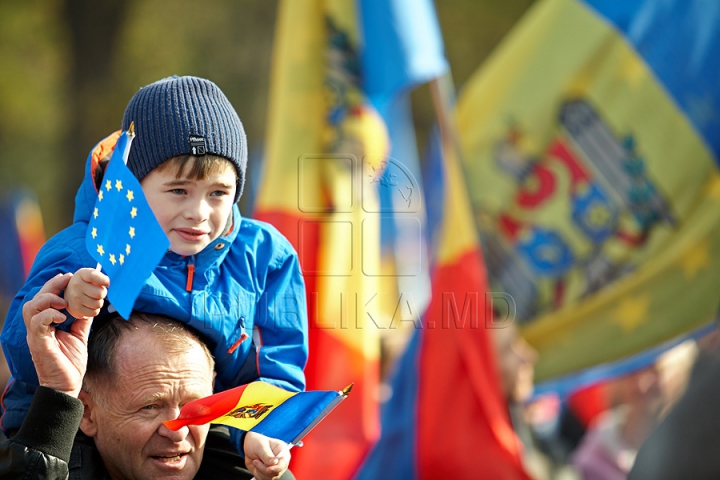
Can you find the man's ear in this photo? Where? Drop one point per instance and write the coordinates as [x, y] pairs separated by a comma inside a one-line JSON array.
[[88, 424]]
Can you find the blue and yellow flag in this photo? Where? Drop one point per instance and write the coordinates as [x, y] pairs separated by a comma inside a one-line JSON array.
[[591, 140], [123, 235]]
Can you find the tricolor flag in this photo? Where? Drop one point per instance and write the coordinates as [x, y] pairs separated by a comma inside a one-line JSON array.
[[262, 408], [447, 416], [323, 159], [591, 139], [123, 235]]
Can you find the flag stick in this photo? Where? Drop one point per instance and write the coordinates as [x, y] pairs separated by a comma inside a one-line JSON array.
[[443, 96]]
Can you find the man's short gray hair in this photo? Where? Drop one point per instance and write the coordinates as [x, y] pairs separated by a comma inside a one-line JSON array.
[[107, 332]]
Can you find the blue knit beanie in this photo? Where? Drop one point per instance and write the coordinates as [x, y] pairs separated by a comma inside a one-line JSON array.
[[184, 116]]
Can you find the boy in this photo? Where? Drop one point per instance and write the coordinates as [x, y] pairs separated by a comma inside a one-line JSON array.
[[229, 277]]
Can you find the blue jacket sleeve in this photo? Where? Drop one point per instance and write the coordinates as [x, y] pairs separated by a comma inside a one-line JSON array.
[[63, 253], [281, 337]]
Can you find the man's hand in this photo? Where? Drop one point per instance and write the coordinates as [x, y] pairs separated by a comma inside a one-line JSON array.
[[60, 357], [266, 458], [86, 293]]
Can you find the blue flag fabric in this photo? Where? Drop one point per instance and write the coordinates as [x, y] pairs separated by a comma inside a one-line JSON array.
[[123, 235]]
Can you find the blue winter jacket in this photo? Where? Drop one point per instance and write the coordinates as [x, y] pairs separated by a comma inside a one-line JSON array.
[[247, 281]]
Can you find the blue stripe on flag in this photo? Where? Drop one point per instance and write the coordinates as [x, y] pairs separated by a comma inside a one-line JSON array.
[[393, 456], [290, 418], [402, 45]]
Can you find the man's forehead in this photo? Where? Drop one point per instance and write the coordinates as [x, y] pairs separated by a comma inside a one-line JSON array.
[[148, 345]]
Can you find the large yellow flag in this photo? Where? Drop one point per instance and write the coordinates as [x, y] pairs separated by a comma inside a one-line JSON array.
[[591, 139]]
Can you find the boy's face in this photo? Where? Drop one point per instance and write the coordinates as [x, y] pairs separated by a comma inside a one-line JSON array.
[[191, 212]]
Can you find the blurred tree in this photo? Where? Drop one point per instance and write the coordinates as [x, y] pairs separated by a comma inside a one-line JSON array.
[[70, 67], [94, 28]]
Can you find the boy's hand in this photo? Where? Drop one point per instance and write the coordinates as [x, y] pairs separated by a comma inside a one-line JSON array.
[[60, 357], [266, 458], [86, 292]]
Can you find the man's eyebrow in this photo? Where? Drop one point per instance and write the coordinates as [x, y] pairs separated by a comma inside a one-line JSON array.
[[157, 396]]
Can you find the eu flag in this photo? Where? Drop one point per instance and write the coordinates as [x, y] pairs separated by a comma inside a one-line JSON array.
[[123, 235]]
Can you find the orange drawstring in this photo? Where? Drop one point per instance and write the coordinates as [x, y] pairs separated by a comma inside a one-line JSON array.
[[191, 273]]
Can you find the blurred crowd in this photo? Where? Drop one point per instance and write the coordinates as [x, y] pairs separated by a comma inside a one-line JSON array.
[[641, 422]]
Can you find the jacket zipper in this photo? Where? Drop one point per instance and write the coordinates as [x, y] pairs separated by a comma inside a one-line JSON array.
[[190, 274]]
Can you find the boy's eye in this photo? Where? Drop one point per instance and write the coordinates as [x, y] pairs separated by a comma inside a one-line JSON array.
[[218, 193], [177, 191]]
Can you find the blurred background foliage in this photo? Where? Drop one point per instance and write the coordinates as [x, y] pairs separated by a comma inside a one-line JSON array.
[[69, 68]]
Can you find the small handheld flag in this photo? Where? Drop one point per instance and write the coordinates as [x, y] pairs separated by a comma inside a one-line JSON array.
[[123, 235], [262, 408]]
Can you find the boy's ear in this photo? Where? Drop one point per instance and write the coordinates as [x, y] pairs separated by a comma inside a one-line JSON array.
[[88, 424]]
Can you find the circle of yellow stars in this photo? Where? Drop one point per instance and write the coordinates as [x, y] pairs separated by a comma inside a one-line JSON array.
[[130, 195]]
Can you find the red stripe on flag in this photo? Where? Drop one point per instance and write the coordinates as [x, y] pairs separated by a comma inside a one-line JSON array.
[[461, 414], [207, 409], [348, 433]]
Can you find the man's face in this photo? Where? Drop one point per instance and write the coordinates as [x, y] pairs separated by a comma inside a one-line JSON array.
[[191, 212], [126, 417]]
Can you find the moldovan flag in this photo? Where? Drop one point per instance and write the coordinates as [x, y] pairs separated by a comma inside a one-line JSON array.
[[322, 166], [591, 139], [262, 408], [123, 234], [447, 417]]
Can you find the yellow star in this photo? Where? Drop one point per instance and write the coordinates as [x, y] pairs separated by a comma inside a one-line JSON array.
[[122, 259], [94, 232], [712, 187], [133, 212], [108, 185], [127, 249], [695, 259], [130, 196], [112, 258], [95, 213], [633, 72], [631, 312], [132, 232], [118, 185], [100, 195], [101, 250]]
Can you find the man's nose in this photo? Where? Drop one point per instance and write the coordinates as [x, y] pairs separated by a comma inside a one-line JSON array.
[[175, 435]]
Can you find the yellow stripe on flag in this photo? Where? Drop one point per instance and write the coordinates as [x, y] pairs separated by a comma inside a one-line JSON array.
[[256, 402]]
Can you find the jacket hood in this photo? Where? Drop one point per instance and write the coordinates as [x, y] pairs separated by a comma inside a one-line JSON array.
[[87, 193]]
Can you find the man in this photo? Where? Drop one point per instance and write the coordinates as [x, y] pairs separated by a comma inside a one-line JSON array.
[[139, 373]]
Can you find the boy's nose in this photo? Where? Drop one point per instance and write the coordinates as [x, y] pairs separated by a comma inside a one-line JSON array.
[[198, 211]]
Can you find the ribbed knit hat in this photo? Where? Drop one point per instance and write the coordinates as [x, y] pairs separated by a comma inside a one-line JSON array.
[[184, 116]]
